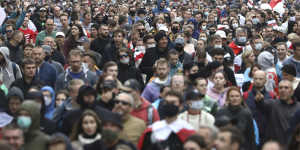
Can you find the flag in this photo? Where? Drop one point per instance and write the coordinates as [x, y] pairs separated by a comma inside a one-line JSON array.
[[250, 3], [278, 6], [2, 15]]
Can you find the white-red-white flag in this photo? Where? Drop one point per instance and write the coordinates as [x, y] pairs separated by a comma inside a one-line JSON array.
[[277, 5]]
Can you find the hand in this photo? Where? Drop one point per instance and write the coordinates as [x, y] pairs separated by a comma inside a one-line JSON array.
[[259, 96]]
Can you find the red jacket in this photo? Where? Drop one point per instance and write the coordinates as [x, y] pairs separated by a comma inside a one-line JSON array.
[[142, 112]]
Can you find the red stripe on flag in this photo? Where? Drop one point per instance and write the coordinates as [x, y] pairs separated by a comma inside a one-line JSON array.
[[273, 3]]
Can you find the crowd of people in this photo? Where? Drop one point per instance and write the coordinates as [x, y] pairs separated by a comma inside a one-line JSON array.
[[150, 75]]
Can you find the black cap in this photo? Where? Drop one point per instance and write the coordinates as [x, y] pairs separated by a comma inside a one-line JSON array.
[[133, 84], [113, 118], [193, 94], [109, 84]]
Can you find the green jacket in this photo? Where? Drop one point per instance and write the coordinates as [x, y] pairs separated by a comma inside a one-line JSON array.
[[210, 105], [34, 138], [41, 36]]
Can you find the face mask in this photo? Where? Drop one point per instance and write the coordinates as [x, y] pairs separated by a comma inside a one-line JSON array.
[[175, 30], [124, 61], [218, 46], [169, 110], [216, 18], [151, 45], [248, 48], [24, 122], [60, 104], [206, 13], [235, 25], [293, 18], [212, 32], [109, 136], [242, 39], [197, 105], [255, 20], [132, 13], [140, 48], [203, 38], [258, 46], [47, 100], [203, 27], [179, 47]]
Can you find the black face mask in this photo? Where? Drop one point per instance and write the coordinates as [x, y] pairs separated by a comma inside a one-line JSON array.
[[179, 47], [142, 34], [169, 110], [132, 13], [212, 32], [47, 57], [175, 30], [109, 136]]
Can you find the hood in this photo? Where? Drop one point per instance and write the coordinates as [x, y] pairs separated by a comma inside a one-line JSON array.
[[5, 52], [37, 96], [85, 90], [34, 110], [51, 107], [159, 1], [15, 91]]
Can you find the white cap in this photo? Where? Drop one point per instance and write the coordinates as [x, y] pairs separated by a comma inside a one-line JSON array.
[[60, 34], [163, 28], [221, 33]]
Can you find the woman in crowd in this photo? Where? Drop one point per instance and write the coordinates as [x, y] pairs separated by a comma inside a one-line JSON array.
[[218, 90], [88, 128], [72, 40]]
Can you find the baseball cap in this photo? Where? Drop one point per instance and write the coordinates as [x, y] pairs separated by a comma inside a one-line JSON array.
[[60, 34], [132, 84]]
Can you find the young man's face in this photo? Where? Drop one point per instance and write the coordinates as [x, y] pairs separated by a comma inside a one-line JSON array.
[[223, 141]]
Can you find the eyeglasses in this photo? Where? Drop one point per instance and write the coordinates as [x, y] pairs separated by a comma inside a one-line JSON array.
[[9, 31], [125, 55], [122, 102]]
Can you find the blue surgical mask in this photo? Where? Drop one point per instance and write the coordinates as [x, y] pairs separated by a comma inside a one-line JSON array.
[[24, 122], [242, 39], [255, 20], [258, 46]]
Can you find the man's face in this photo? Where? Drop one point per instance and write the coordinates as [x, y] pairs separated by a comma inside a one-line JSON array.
[[38, 54], [173, 59], [56, 11], [75, 63], [14, 137], [219, 58], [259, 79], [64, 20], [187, 14], [163, 43], [104, 31], [223, 141], [202, 86], [285, 90], [178, 83], [162, 70], [49, 41], [241, 34], [74, 91], [29, 70], [89, 99], [14, 104], [49, 25], [297, 52], [88, 18], [113, 71], [9, 31], [60, 39], [150, 42], [123, 104]]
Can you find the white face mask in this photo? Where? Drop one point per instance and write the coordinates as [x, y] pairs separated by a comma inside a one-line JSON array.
[[124, 60], [197, 105], [203, 38], [258, 46], [218, 46], [235, 25], [47, 100], [140, 48], [151, 45], [248, 48], [203, 27]]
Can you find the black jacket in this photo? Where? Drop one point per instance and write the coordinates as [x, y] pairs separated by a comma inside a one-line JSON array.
[[130, 72], [151, 55], [110, 53], [99, 44], [24, 86], [240, 117]]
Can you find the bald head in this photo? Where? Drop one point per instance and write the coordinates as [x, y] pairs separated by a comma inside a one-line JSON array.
[[286, 90], [129, 98], [272, 145], [259, 79]]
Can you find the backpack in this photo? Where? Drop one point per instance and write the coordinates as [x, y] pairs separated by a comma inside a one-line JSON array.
[[246, 94], [14, 66], [150, 115]]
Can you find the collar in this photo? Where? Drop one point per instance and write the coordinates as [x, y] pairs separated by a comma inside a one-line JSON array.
[[84, 140]]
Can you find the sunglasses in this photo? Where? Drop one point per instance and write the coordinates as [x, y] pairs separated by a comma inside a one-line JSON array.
[[121, 102], [125, 55], [9, 31]]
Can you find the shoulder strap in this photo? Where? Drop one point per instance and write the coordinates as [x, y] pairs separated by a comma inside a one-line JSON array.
[[14, 66], [150, 114]]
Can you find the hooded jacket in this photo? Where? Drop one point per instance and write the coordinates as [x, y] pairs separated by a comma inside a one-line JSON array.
[[72, 116], [14, 92], [34, 138], [7, 71], [152, 89], [159, 10], [51, 108]]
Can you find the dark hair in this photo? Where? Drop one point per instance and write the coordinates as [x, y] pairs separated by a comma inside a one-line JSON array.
[[78, 127], [176, 94], [236, 135], [27, 61], [199, 140], [251, 70], [160, 35], [147, 37], [109, 64], [65, 92], [289, 69], [296, 44], [117, 31], [217, 51]]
